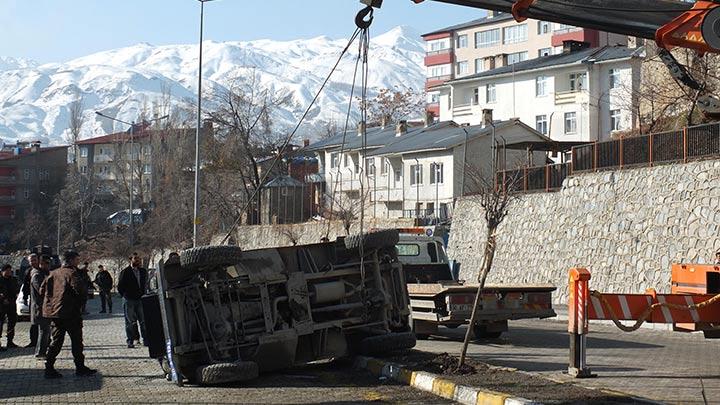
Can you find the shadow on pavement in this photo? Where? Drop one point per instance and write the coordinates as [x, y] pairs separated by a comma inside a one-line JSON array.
[[31, 382], [20, 351]]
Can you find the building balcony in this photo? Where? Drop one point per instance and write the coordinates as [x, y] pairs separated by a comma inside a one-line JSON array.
[[440, 57], [575, 34], [7, 179], [393, 194], [568, 97], [436, 81], [460, 110], [102, 159], [7, 198]]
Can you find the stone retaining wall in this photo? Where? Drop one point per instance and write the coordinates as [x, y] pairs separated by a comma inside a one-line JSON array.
[[626, 227]]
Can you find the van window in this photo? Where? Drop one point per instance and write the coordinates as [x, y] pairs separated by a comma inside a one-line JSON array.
[[432, 251], [408, 250]]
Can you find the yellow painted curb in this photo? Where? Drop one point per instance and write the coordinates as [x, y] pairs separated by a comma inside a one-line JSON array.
[[490, 398], [444, 388]]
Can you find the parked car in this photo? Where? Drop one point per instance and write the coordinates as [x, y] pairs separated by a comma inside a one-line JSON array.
[[231, 314]]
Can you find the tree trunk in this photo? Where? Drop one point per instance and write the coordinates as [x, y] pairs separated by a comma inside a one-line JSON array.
[[488, 257]]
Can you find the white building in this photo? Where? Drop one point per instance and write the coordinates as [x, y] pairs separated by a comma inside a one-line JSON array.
[[419, 172], [581, 95]]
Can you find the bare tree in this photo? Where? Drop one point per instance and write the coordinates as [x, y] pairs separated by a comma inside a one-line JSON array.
[[345, 208], [289, 231], [395, 105], [495, 200]]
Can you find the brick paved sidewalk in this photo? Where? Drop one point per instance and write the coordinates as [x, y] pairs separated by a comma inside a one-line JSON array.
[[129, 376]]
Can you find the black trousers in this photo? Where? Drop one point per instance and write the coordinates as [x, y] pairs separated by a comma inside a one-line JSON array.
[[33, 334], [106, 299], [8, 318], [73, 327]]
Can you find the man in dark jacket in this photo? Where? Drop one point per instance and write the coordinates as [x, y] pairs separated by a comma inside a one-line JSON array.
[[104, 281], [63, 294], [9, 290], [37, 277], [131, 286]]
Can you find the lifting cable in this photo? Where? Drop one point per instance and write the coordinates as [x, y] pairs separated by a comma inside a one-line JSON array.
[[646, 313], [362, 25]]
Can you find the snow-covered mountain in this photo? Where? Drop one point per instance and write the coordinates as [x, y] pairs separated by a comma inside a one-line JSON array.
[[35, 100]]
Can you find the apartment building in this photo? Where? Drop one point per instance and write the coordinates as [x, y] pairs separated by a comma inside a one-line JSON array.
[[419, 172], [496, 41], [109, 158], [30, 178], [581, 95]]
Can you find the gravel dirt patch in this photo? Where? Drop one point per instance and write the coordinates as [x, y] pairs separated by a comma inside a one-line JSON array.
[[525, 385]]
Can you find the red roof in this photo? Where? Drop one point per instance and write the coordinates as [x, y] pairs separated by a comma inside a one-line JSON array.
[[118, 137], [28, 152]]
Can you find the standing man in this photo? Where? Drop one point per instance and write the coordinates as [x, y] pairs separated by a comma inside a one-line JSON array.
[[83, 273], [26, 289], [63, 293], [131, 286], [104, 281], [9, 290], [37, 278]]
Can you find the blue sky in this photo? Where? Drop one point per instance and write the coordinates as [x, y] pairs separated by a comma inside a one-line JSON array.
[[59, 30]]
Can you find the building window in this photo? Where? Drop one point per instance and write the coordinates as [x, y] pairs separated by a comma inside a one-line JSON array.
[[490, 93], [515, 34], [541, 124], [479, 65], [570, 122], [147, 169], [438, 45], [83, 169], [436, 173], [101, 151], [398, 176], [146, 150], [346, 160], [439, 70], [544, 52], [614, 78], [476, 96], [384, 165], [433, 98], [416, 174], [84, 152], [27, 173], [541, 86], [43, 174], [462, 41], [484, 39], [516, 57], [577, 81], [26, 193], [543, 27], [334, 160], [615, 120], [370, 166], [462, 68]]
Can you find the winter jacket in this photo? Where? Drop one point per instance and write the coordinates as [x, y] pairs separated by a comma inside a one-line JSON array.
[[128, 285], [104, 280], [37, 277], [9, 289], [63, 293]]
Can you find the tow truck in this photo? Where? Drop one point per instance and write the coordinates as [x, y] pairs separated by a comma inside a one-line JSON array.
[[437, 298]]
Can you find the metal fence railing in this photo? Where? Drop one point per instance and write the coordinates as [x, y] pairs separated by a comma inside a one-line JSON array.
[[689, 143], [673, 146]]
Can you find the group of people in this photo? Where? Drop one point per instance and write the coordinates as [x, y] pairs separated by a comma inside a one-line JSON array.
[[57, 300]]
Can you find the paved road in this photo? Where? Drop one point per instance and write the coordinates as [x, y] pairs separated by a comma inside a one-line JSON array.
[[128, 376], [660, 365]]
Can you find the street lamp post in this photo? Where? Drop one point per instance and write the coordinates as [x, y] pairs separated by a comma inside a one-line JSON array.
[[132, 168], [196, 206]]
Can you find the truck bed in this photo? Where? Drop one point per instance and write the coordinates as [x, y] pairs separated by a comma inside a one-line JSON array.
[[432, 289]]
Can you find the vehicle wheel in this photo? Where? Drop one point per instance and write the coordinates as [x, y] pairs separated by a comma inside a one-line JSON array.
[[210, 256], [373, 240], [386, 344], [223, 373], [481, 332], [176, 274]]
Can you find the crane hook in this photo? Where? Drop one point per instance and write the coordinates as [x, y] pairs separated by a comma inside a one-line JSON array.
[[364, 18]]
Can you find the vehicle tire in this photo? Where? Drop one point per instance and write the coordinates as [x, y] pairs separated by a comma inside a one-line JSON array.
[[176, 274], [223, 373], [387, 344], [202, 257], [481, 332], [373, 240]]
